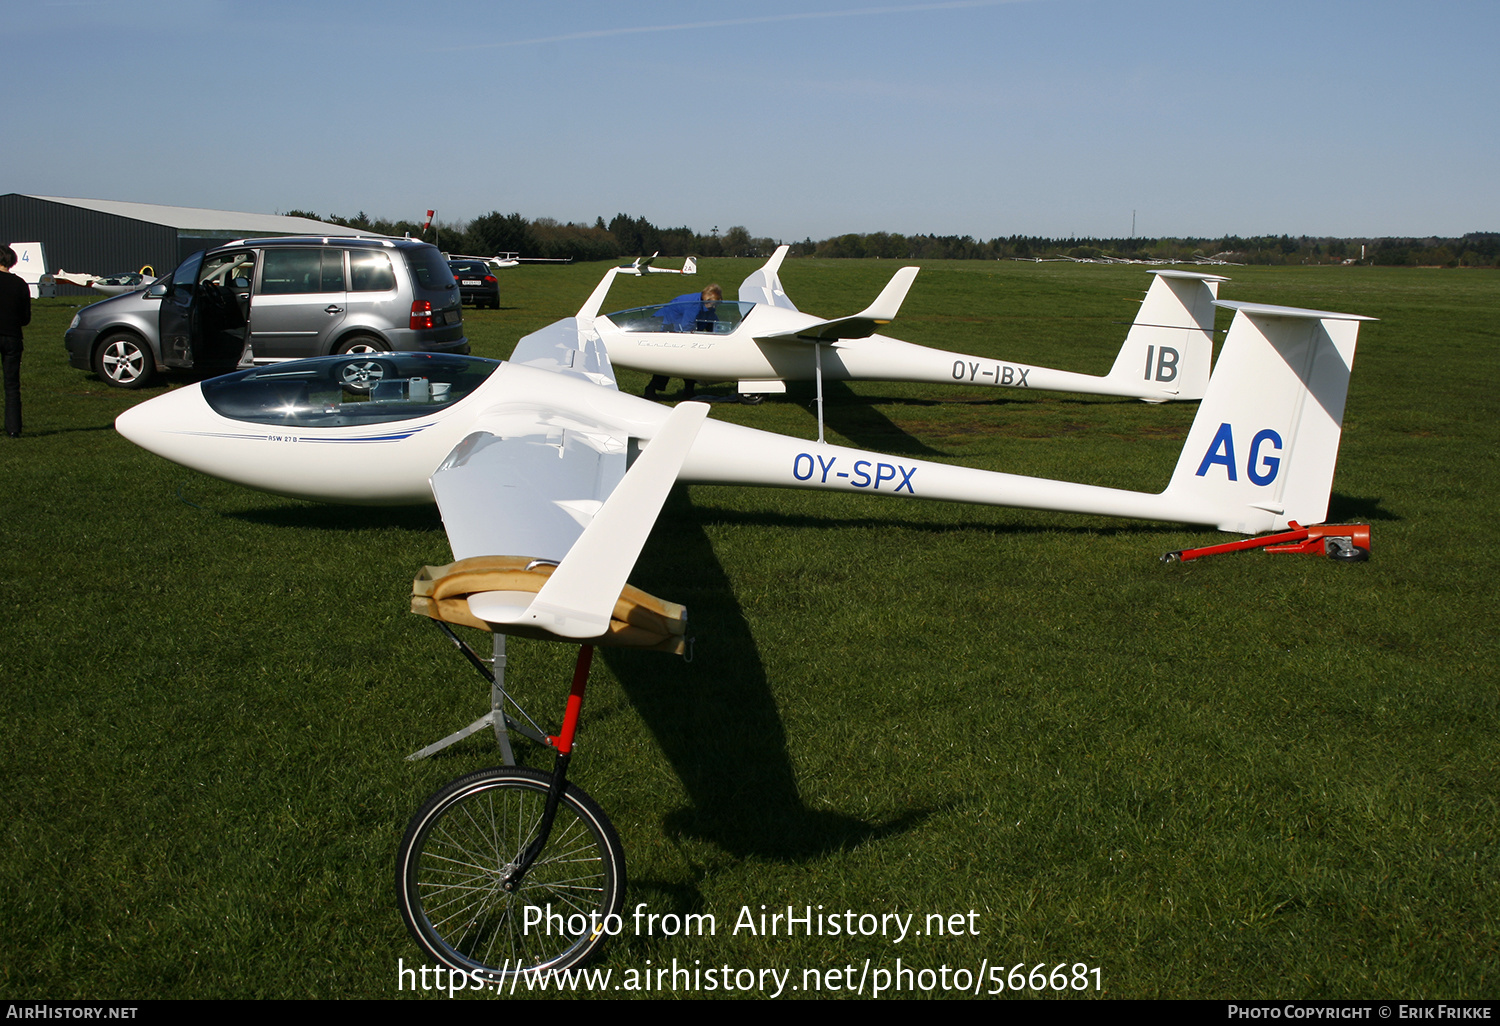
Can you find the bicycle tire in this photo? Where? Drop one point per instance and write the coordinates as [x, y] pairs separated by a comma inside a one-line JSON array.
[[455, 854]]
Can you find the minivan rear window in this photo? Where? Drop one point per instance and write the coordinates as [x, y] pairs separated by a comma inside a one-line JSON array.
[[429, 268]]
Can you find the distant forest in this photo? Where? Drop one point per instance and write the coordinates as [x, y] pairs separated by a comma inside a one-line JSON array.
[[626, 236]]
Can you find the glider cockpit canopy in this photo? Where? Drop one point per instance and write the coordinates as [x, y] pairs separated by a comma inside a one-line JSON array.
[[357, 389], [717, 318]]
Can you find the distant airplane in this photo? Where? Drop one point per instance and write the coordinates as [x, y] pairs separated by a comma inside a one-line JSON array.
[[109, 284], [762, 341], [645, 265], [508, 259], [125, 281]]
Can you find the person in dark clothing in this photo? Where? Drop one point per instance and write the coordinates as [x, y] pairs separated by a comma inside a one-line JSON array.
[[691, 311], [15, 314]]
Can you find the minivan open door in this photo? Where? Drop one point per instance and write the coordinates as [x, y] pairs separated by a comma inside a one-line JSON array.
[[204, 313]]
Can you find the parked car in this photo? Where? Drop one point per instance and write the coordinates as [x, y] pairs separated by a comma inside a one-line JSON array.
[[476, 282], [274, 299]]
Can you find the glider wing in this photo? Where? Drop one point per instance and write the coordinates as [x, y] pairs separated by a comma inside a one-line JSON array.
[[861, 325]]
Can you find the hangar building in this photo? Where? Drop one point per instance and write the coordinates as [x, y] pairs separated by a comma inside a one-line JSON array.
[[110, 236]]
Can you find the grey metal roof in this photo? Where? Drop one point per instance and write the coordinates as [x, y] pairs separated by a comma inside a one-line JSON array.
[[199, 219]]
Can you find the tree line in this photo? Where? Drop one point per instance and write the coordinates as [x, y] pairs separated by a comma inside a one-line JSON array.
[[626, 236], [1477, 249], [623, 236]]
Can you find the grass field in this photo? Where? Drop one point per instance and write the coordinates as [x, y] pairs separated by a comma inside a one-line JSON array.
[[1249, 776]]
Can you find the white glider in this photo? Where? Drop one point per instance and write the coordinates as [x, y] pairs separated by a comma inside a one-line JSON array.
[[542, 457], [645, 265], [109, 284], [763, 341]]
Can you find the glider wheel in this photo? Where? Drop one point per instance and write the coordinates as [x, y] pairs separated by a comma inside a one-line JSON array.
[[455, 859], [1348, 554]]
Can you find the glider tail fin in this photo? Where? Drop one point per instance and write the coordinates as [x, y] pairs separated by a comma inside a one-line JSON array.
[[1262, 449], [1170, 344]]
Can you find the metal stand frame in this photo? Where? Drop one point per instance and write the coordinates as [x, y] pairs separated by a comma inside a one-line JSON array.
[[497, 717], [514, 874]]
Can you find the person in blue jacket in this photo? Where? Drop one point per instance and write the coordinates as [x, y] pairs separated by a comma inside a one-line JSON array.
[[691, 311]]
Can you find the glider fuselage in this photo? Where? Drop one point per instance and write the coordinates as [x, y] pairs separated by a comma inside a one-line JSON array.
[[746, 354], [383, 452]]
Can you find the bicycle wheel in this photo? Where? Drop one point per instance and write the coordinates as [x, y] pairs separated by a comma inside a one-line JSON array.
[[457, 851]]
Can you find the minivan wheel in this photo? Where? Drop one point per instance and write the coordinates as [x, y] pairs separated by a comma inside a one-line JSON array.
[[124, 361], [359, 376]]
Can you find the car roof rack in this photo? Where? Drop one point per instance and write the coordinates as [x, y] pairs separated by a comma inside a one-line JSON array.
[[373, 240]]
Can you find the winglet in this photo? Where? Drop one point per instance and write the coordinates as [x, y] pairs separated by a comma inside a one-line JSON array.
[[590, 308], [886, 305], [578, 598], [860, 325]]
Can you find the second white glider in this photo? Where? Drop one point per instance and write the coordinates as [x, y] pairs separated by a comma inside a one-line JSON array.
[[761, 341]]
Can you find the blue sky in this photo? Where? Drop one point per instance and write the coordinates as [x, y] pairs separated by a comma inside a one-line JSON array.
[[807, 118]]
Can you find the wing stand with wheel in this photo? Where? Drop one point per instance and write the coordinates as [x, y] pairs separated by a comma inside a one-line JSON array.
[[513, 870]]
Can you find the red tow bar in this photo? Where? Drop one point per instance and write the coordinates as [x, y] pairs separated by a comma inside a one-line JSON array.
[[1348, 542]]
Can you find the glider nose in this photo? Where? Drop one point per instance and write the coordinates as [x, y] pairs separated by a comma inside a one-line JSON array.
[[153, 423]]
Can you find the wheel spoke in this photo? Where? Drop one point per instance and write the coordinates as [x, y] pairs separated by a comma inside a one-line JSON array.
[[459, 851]]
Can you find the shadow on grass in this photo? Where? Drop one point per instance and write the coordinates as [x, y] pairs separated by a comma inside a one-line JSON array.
[[823, 523], [858, 419], [340, 518], [1347, 508], [45, 432], [716, 719]]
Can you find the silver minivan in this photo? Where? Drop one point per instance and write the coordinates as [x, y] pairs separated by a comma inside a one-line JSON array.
[[274, 299]]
